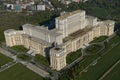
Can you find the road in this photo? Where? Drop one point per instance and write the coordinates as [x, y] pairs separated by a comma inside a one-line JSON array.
[[27, 64], [8, 54], [37, 70]]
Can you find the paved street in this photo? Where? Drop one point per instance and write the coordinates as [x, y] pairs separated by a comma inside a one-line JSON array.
[[37, 70], [48, 69], [6, 53]]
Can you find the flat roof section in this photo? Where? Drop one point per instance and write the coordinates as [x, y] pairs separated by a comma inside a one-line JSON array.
[[69, 14], [36, 40], [77, 34]]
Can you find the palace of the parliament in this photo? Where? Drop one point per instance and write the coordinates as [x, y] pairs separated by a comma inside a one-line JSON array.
[[72, 31]]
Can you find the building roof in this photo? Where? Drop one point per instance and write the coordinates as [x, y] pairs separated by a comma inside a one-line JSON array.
[[58, 51], [53, 32], [69, 14], [77, 34], [12, 31], [109, 22], [106, 23], [43, 42], [9, 30]]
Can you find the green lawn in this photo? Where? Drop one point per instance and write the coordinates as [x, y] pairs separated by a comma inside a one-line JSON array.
[[4, 59], [79, 67], [93, 49], [102, 65], [114, 74], [41, 60], [99, 39], [19, 72], [19, 48], [91, 74], [73, 56], [24, 57], [114, 40]]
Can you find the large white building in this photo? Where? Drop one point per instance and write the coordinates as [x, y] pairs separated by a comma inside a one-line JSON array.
[[72, 31]]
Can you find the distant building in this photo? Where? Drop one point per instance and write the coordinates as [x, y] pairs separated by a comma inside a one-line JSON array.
[[79, 0], [38, 7], [13, 7], [17, 7], [66, 2], [72, 30], [28, 5], [8, 6]]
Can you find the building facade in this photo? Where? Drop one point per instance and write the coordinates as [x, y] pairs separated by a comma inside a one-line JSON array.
[[72, 31]]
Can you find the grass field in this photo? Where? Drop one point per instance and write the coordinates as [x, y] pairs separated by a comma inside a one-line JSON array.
[[24, 57], [86, 61], [4, 59], [102, 65], [99, 39], [41, 60], [73, 56], [19, 72], [93, 49], [114, 74], [19, 48]]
